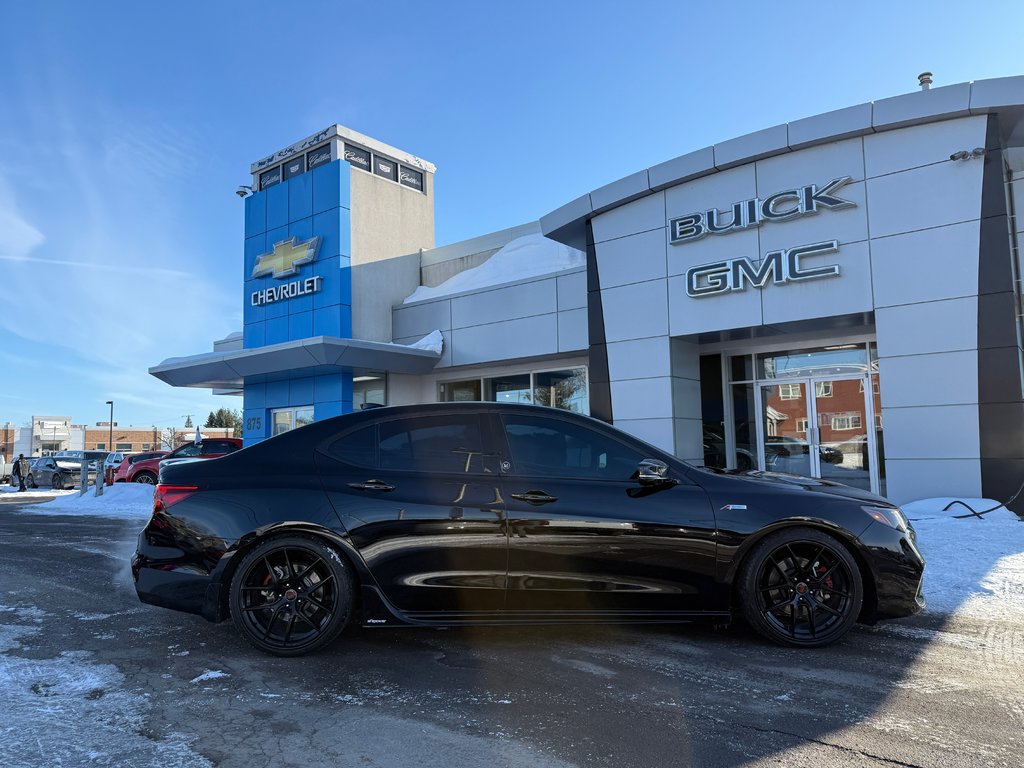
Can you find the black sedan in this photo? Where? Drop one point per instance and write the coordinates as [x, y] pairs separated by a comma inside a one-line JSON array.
[[480, 513]]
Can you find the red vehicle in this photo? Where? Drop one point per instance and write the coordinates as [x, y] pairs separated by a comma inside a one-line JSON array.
[[145, 470]]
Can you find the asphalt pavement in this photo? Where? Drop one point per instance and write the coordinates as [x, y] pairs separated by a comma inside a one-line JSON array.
[[90, 676]]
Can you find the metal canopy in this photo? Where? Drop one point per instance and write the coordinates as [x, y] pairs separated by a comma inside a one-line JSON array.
[[306, 357]]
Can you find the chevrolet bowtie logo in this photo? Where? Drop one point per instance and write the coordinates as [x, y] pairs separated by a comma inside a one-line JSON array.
[[286, 258]]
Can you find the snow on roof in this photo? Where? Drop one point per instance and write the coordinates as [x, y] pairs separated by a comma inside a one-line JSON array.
[[527, 256]]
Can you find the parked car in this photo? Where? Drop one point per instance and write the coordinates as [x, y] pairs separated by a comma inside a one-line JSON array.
[[57, 472], [122, 472], [111, 461], [489, 513], [6, 467], [145, 471]]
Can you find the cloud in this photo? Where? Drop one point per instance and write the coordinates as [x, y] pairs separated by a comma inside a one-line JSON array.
[[19, 238]]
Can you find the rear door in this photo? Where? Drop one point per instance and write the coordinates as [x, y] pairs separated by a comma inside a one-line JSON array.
[[585, 536], [420, 498]]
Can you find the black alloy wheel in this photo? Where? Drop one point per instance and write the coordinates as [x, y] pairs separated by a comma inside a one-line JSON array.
[[57, 482], [291, 595], [801, 587], [147, 478], [31, 482]]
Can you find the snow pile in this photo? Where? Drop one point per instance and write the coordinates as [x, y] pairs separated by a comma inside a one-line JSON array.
[[527, 256], [975, 567], [432, 342], [33, 493], [124, 500]]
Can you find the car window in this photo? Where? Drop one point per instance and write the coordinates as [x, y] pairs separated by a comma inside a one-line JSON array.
[[190, 449], [432, 444], [357, 448], [556, 448]]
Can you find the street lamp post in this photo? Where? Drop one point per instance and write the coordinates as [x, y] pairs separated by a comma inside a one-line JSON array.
[[110, 437]]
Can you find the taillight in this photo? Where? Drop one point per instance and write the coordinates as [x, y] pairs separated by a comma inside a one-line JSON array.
[[167, 496]]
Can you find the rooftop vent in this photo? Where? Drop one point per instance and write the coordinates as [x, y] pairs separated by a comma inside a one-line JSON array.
[[925, 80]]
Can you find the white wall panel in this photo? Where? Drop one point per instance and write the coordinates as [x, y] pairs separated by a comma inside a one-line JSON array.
[[899, 150], [815, 165], [932, 432], [940, 263], [658, 432], [525, 337], [572, 290], [642, 398], [913, 479], [572, 330], [931, 196], [639, 358], [635, 311], [944, 378], [639, 216], [632, 259], [537, 297], [934, 326]]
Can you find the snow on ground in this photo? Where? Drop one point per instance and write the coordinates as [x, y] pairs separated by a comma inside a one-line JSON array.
[[527, 256], [123, 500], [975, 567], [33, 493]]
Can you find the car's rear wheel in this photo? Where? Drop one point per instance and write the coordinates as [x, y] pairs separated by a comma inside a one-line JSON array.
[[145, 477], [291, 595], [31, 482], [57, 482], [801, 587]]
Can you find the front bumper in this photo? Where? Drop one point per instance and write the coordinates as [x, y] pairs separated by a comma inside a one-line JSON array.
[[898, 568]]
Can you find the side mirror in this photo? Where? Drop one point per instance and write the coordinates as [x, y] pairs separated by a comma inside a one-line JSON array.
[[652, 472]]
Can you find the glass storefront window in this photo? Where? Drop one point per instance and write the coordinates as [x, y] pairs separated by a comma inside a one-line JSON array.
[[562, 389], [508, 389], [371, 388], [566, 389], [460, 391], [828, 361], [744, 414], [285, 419]]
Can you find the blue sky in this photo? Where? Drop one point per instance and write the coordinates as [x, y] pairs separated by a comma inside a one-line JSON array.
[[127, 127]]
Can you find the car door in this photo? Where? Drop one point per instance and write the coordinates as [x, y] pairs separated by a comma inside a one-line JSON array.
[[420, 498], [586, 536], [44, 472]]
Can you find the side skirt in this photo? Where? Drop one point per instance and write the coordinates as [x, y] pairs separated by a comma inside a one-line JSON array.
[[378, 612]]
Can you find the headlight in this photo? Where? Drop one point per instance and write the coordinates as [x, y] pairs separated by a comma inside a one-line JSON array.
[[891, 516]]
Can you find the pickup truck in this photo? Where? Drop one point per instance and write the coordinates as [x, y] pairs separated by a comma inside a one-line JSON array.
[[5, 468]]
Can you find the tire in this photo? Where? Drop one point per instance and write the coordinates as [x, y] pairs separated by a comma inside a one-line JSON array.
[[291, 595], [57, 482], [31, 482], [801, 587], [147, 478]]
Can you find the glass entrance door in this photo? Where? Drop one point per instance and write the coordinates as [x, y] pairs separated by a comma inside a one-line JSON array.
[[820, 427]]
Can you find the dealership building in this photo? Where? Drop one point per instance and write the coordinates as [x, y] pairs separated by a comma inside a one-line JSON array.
[[838, 296]]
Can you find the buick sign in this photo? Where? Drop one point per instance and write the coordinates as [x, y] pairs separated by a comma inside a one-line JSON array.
[[782, 206], [785, 266]]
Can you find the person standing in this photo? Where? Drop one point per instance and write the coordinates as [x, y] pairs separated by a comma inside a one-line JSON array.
[[21, 471]]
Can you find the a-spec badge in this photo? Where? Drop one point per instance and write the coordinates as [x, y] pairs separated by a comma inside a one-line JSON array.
[[286, 258]]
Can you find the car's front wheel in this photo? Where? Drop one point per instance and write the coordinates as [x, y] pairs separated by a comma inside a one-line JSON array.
[[801, 587], [291, 595], [146, 477], [57, 482], [31, 482]]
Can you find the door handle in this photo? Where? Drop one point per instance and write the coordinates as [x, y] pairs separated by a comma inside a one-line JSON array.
[[372, 485], [534, 497]]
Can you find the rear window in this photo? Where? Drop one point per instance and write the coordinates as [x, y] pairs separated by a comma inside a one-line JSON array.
[[432, 444], [357, 448], [211, 447]]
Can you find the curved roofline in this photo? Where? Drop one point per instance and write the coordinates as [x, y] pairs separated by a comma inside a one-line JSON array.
[[567, 223]]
